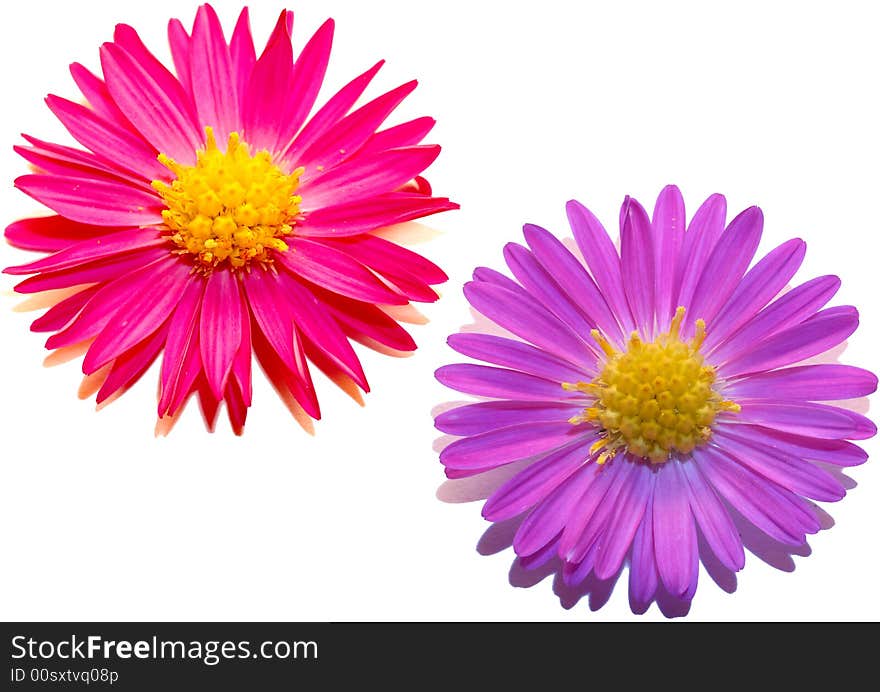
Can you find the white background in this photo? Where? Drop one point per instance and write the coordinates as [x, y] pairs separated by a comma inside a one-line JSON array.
[[770, 103]]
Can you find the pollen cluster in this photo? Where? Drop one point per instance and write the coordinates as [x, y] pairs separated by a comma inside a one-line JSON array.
[[231, 206], [654, 399]]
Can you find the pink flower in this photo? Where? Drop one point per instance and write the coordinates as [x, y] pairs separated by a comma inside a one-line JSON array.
[[210, 217]]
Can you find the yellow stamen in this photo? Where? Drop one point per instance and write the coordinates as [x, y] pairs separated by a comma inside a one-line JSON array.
[[654, 399], [231, 206]]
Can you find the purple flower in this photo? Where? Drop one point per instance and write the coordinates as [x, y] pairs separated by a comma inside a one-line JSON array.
[[652, 395]]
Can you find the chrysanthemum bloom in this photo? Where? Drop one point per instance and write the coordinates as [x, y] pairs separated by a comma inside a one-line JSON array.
[[210, 216], [653, 394]]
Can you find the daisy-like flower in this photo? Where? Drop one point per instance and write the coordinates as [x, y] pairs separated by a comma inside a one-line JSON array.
[[654, 394], [211, 215]]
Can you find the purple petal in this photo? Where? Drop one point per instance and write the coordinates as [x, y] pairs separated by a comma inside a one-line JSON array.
[[528, 319], [589, 517], [777, 512], [668, 223], [727, 264], [699, 241], [831, 382], [802, 418], [518, 356], [503, 446], [541, 285], [675, 533], [760, 285], [809, 338], [602, 260], [643, 566], [629, 509], [637, 264], [787, 471], [836, 452], [499, 383], [713, 519], [547, 519], [792, 308], [574, 280], [474, 419], [536, 481]]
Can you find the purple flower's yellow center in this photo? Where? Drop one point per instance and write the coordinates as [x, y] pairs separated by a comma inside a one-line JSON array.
[[653, 399], [231, 206]]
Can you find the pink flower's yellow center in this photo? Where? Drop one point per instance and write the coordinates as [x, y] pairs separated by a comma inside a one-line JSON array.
[[653, 399], [231, 206]]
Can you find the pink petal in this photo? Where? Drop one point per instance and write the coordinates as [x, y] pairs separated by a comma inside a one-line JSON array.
[[273, 314], [60, 314], [348, 135], [267, 89], [329, 114], [181, 363], [315, 323], [241, 51], [67, 161], [637, 264], [140, 316], [214, 85], [359, 217], [389, 258], [179, 41], [94, 201], [366, 176], [364, 322], [106, 269], [241, 364], [132, 364], [308, 75], [403, 135], [98, 97], [51, 233], [113, 144], [220, 328], [154, 101], [93, 249], [336, 271]]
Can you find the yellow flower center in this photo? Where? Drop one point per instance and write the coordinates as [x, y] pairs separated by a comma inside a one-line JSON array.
[[231, 206], [654, 399]]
